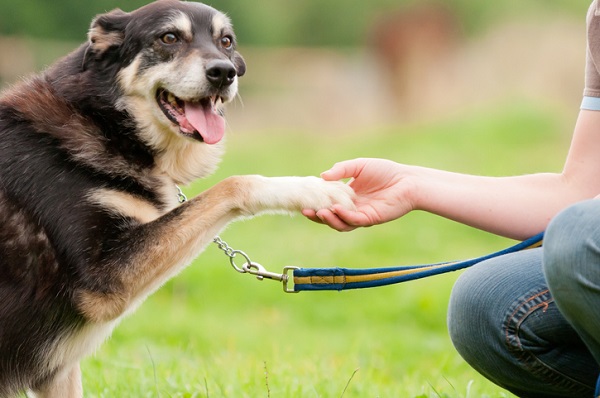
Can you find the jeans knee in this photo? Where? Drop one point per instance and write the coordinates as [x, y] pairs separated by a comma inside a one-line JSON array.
[[456, 317], [505, 323], [485, 300], [468, 316], [569, 245]]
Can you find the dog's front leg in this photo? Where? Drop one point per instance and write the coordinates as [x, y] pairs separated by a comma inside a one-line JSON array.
[[152, 253], [65, 385]]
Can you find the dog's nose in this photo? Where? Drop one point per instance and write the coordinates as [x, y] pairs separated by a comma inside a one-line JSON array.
[[220, 73]]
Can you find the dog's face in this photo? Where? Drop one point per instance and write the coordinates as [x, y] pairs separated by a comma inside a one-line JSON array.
[[179, 64]]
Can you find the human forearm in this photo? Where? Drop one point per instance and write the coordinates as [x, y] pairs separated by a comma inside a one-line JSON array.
[[516, 207]]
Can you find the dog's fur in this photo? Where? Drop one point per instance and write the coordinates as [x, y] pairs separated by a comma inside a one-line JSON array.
[[90, 155]]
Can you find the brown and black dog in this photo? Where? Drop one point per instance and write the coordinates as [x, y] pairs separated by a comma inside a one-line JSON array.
[[91, 152]]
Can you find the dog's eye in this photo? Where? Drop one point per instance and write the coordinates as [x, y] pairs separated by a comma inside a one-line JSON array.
[[226, 42], [169, 38]]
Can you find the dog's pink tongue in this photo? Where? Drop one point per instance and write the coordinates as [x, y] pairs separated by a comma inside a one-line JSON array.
[[206, 121]]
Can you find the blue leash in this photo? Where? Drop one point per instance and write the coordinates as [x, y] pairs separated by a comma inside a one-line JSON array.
[[344, 278]]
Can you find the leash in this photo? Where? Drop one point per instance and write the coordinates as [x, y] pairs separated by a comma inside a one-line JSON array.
[[311, 279]]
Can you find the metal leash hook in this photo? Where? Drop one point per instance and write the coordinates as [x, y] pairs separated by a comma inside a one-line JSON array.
[[261, 272], [250, 267]]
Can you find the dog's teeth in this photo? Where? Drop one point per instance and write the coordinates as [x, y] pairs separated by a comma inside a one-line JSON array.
[[172, 99]]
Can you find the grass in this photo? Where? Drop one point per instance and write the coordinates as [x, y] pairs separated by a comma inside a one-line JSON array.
[[212, 332]]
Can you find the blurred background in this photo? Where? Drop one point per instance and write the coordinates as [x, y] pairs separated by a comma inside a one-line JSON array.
[[336, 65], [482, 87]]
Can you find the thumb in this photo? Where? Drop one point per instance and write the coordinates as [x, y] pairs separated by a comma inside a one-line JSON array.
[[345, 169]]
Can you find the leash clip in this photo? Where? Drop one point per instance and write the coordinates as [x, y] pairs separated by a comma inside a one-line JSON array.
[[253, 268], [261, 273]]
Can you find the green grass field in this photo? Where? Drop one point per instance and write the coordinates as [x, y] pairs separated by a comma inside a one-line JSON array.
[[212, 332]]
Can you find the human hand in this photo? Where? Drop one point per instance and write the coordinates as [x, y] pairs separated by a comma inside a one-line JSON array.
[[382, 188]]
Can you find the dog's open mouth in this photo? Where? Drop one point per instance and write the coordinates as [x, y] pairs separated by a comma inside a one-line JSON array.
[[197, 119]]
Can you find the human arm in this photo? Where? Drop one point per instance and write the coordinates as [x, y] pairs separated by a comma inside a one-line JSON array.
[[516, 207]]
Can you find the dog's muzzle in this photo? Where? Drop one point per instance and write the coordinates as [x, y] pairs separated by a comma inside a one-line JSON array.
[[200, 118]]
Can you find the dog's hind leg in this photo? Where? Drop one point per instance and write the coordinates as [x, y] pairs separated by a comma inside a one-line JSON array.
[[65, 385]]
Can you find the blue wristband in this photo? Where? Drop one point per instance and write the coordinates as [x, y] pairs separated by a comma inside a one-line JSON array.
[[591, 103]]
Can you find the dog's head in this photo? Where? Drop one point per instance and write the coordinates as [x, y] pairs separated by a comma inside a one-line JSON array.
[[174, 64], [178, 61]]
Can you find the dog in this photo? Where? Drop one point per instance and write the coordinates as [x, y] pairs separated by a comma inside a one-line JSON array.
[[92, 152]]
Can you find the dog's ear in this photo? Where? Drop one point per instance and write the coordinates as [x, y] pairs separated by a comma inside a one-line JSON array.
[[108, 30], [239, 63]]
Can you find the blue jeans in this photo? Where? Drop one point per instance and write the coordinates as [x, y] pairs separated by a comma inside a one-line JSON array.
[[530, 321]]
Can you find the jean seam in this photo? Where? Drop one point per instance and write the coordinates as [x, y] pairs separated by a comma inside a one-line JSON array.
[[512, 328]]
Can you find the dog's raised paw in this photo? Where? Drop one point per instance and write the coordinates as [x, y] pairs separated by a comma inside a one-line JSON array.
[[321, 194], [294, 194]]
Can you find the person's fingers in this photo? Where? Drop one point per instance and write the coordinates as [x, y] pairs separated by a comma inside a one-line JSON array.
[[330, 218], [338, 218], [351, 217], [311, 215]]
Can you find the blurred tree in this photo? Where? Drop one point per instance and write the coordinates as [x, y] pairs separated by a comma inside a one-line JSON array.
[[267, 22], [56, 19]]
